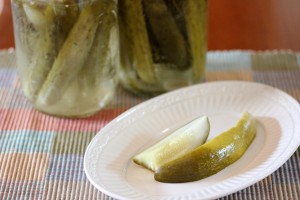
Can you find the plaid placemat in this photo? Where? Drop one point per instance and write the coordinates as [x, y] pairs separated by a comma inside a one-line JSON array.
[[41, 157]]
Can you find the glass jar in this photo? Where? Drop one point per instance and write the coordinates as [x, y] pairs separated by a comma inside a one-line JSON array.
[[163, 44], [66, 54]]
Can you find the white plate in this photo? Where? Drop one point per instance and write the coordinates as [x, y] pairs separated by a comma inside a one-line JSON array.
[[108, 162]]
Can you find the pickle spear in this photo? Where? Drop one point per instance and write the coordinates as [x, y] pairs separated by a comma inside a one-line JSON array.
[[171, 41], [66, 14], [72, 55], [196, 23], [131, 12], [37, 15], [44, 52], [212, 157], [180, 142], [100, 60], [26, 39]]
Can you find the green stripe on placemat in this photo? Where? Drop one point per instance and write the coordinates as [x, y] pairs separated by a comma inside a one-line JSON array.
[[298, 58], [279, 69], [275, 60]]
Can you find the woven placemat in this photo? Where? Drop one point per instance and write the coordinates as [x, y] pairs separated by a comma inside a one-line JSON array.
[[41, 157]]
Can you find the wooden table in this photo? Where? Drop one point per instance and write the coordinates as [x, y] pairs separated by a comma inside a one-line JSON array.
[[254, 24], [6, 29], [234, 24]]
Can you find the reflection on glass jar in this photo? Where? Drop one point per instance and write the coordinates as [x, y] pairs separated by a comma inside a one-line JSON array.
[[163, 44], [67, 53]]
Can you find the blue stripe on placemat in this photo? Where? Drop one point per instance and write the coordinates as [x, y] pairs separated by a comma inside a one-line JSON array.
[[231, 60], [7, 76], [66, 168], [281, 79], [26, 141]]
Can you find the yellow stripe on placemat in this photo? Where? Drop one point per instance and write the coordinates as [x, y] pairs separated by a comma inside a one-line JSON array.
[[274, 60], [23, 166]]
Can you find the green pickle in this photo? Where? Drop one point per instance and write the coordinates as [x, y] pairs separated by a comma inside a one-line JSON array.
[[41, 56], [211, 157], [163, 44], [68, 63], [101, 64], [67, 53], [134, 30], [179, 142], [167, 33]]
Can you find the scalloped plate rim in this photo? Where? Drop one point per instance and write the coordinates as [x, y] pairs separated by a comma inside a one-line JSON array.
[[140, 106]]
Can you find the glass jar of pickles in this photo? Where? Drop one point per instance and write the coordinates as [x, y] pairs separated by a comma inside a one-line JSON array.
[[66, 53], [163, 44]]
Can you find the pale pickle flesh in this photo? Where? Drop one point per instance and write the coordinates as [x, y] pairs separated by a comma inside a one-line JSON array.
[[180, 142], [212, 157]]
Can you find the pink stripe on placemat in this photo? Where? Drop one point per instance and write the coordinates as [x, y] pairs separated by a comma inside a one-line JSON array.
[[30, 119]]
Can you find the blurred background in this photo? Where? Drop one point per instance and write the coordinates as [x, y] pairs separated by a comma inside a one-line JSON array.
[[233, 24]]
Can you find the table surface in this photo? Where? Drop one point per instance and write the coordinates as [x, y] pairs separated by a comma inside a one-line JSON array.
[[41, 157], [234, 24]]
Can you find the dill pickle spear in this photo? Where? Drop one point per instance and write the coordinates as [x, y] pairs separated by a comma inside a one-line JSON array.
[[66, 15], [71, 56], [36, 15], [167, 33], [103, 51], [180, 142], [43, 53], [67, 12], [132, 14], [196, 14], [212, 157]]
